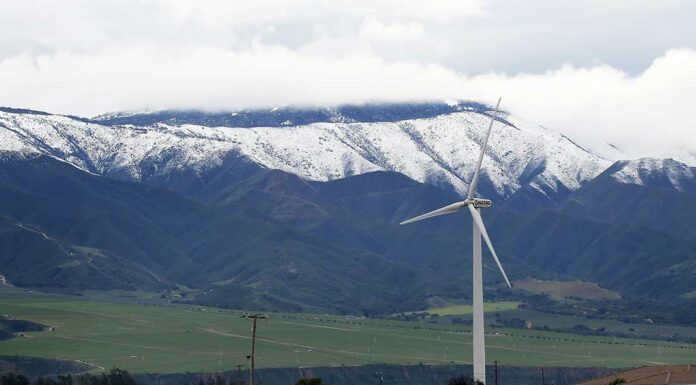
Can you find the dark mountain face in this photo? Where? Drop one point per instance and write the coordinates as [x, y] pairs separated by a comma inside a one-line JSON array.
[[621, 254], [63, 228], [256, 238], [658, 199], [87, 224], [665, 199]]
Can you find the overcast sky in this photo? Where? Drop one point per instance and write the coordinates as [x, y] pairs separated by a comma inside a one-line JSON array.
[[615, 71]]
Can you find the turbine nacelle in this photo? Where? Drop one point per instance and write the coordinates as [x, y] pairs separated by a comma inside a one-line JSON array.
[[454, 207], [479, 203]]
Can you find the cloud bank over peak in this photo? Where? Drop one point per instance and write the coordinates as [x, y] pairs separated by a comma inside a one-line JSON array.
[[622, 73]]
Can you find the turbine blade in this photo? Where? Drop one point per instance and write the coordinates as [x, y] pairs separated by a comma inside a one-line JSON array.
[[478, 222], [454, 207], [474, 181]]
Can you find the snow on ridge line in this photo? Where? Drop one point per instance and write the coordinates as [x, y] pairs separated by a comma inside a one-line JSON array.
[[441, 149], [639, 171]]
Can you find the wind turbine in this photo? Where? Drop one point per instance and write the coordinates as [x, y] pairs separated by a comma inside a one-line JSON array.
[[474, 205]]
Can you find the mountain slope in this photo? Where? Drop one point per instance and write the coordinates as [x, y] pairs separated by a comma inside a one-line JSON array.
[[438, 148], [273, 240], [31, 257], [71, 213], [63, 228], [655, 193], [365, 210]]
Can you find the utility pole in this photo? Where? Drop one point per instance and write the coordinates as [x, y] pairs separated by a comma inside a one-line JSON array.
[[543, 380], [496, 372], [254, 317]]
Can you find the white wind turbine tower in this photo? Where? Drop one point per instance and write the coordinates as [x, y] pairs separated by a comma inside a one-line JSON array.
[[474, 205]]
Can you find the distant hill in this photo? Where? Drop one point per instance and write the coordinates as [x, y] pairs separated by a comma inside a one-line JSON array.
[[153, 205]]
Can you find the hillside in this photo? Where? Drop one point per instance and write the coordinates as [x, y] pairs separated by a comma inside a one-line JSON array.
[[65, 229], [264, 217], [438, 148]]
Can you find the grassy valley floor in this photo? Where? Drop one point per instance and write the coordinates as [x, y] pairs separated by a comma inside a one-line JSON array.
[[179, 338]]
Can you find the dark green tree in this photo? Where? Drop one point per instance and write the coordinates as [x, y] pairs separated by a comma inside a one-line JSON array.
[[120, 377], [101, 379], [310, 381], [463, 380], [44, 381], [13, 379], [65, 380]]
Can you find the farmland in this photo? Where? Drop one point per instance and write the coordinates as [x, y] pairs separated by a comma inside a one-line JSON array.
[[178, 338], [567, 289], [468, 309]]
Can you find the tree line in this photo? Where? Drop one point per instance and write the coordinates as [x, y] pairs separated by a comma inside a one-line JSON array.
[[115, 376], [118, 376]]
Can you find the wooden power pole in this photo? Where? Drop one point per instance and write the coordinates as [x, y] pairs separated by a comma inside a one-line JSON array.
[[543, 380], [496, 372], [254, 317]]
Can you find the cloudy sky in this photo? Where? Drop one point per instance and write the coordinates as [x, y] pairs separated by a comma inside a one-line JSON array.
[[615, 71]]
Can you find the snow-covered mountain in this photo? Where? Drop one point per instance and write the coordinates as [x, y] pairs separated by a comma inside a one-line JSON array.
[[341, 235], [666, 173], [438, 146]]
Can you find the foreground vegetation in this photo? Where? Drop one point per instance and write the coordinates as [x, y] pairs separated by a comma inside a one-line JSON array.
[[156, 338], [114, 377]]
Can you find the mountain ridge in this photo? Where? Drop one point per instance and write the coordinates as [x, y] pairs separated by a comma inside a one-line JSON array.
[[291, 115], [440, 149]]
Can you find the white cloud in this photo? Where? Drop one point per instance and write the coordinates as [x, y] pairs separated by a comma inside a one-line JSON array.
[[596, 73], [644, 115]]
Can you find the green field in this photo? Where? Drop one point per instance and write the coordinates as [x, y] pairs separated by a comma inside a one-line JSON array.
[[563, 290], [467, 309], [150, 338]]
